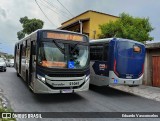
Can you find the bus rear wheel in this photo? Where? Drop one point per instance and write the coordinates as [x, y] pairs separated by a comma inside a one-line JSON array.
[[133, 85]]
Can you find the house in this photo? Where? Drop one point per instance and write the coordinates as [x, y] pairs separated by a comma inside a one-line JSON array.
[[88, 23], [152, 65]]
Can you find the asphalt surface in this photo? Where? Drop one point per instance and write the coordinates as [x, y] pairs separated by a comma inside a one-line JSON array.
[[97, 99]]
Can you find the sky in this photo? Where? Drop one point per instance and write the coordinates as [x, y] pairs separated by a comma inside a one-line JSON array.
[[12, 10]]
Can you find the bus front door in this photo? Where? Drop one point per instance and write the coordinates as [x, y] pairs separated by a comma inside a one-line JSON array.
[[32, 64]]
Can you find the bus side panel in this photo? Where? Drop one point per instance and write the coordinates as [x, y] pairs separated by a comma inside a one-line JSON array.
[[111, 55], [15, 51], [23, 61], [15, 56], [20, 58], [98, 72]]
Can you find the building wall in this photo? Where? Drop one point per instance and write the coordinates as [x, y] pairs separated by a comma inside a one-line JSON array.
[[86, 27], [97, 19], [83, 16], [147, 79], [76, 28], [92, 26]]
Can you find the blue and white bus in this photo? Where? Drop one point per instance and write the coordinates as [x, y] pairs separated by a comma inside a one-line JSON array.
[[116, 61], [53, 61]]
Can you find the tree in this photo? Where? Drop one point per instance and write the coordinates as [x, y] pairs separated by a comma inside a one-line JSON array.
[[29, 26], [20, 35], [127, 27], [9, 56]]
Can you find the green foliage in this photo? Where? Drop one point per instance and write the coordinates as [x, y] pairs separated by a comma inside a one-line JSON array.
[[29, 26], [23, 20], [32, 25], [127, 27], [5, 111], [20, 35], [8, 56]]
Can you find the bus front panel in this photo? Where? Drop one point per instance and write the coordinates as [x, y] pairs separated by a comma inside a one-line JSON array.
[[128, 62]]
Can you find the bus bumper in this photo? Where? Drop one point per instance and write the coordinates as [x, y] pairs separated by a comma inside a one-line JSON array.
[[114, 80], [42, 88]]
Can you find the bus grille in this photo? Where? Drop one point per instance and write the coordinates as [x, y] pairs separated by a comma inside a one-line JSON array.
[[58, 88]]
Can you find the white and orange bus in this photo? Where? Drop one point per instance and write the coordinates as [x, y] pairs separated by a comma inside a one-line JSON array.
[[54, 61]]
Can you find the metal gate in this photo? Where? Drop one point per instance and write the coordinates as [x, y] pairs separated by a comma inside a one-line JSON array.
[[156, 71]]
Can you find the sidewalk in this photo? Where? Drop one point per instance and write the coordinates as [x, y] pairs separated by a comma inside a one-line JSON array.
[[142, 90]]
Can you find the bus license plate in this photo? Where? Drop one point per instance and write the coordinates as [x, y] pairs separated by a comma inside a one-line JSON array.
[[129, 76], [67, 91]]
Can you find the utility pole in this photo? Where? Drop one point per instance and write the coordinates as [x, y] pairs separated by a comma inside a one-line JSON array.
[[81, 26]]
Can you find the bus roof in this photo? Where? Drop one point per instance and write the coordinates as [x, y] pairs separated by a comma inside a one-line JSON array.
[[55, 30], [107, 40], [58, 30]]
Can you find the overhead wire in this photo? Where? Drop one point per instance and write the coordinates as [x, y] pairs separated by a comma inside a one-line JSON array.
[[54, 6], [48, 4], [65, 8], [44, 13], [49, 7]]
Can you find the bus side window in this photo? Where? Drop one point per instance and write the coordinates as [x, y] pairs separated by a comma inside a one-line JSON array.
[[106, 51], [33, 48], [96, 52], [91, 52], [23, 50]]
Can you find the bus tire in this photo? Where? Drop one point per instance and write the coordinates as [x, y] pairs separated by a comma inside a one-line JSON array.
[[133, 85], [27, 81]]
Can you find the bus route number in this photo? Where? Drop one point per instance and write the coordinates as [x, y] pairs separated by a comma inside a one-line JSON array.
[[74, 83]]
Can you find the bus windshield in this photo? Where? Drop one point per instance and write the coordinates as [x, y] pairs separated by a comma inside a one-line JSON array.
[[129, 49], [129, 59], [60, 55]]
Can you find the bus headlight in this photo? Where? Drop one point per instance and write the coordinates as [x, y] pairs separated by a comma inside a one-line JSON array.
[[41, 78], [87, 77]]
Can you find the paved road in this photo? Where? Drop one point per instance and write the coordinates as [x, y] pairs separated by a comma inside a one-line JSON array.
[[102, 99]]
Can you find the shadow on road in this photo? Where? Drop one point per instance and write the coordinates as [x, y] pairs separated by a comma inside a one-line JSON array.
[[109, 91], [59, 98]]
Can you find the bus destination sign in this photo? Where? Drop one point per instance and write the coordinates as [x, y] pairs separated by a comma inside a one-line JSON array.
[[64, 36]]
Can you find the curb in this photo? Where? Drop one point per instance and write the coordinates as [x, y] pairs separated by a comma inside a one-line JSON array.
[[148, 92]]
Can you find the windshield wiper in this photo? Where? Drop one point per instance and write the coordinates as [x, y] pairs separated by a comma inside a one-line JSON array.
[[59, 47], [74, 48]]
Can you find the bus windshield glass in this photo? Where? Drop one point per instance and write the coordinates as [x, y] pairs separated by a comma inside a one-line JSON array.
[[60, 55], [127, 49]]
